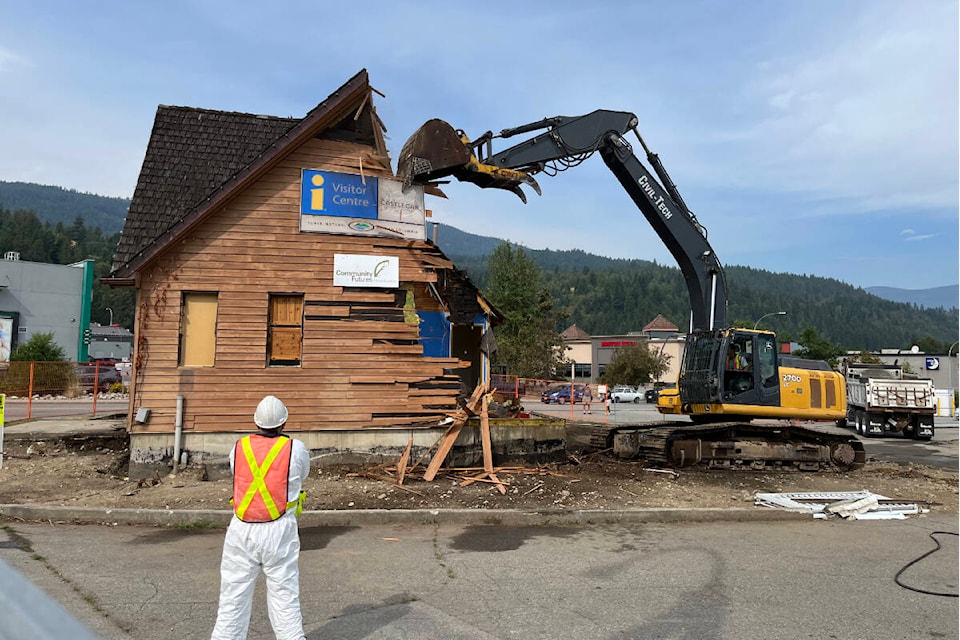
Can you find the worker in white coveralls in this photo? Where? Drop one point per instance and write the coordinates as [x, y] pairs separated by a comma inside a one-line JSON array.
[[268, 473]]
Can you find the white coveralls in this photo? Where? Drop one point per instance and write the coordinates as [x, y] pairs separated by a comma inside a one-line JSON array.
[[273, 547]]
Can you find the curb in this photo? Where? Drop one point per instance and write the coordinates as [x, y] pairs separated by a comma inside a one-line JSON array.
[[362, 517]]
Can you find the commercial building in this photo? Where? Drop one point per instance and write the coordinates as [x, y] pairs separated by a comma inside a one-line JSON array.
[[590, 355], [37, 297], [110, 342]]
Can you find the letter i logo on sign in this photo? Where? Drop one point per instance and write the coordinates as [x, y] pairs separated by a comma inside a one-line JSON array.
[[316, 194]]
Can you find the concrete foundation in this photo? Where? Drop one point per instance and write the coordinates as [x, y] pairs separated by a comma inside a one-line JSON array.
[[528, 441]]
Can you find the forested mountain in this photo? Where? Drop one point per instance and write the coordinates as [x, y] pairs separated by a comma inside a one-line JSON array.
[[55, 204], [21, 231], [455, 242], [601, 295], [620, 296]]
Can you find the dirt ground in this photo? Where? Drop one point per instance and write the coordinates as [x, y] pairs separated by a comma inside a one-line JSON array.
[[59, 472]]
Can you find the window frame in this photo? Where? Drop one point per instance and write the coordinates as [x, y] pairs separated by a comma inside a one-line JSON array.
[[284, 326], [186, 335]]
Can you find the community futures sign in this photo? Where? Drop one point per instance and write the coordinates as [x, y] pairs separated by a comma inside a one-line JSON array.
[[350, 270], [347, 203]]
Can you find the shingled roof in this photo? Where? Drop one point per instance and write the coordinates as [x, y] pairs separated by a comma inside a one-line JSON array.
[[197, 158], [573, 332], [661, 324]]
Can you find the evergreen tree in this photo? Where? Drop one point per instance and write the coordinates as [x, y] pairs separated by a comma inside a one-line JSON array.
[[816, 348], [929, 344], [528, 344]]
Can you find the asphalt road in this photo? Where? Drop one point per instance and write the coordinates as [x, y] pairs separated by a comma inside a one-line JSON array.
[[772, 580]]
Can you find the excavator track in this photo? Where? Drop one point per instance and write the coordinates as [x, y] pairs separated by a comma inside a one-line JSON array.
[[733, 445]]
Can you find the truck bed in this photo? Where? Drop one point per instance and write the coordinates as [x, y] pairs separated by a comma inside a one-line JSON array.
[[876, 394]]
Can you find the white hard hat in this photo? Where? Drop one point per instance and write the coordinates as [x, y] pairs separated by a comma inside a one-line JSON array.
[[271, 413]]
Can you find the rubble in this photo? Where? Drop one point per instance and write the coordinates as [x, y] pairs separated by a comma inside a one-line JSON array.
[[853, 505]]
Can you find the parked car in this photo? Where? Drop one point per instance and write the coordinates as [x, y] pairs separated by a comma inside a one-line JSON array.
[[652, 394], [625, 393], [106, 375], [561, 396]]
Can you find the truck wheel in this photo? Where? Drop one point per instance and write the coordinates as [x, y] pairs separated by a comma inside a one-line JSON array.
[[842, 423], [916, 430], [862, 424], [866, 426]]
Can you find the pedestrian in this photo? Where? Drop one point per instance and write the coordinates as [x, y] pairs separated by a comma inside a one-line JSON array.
[[269, 469], [587, 399], [606, 404]]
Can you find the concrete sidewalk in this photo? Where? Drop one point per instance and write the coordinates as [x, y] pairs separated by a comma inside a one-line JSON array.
[[46, 427]]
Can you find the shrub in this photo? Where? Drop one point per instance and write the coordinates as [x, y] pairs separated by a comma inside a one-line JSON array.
[[39, 348]]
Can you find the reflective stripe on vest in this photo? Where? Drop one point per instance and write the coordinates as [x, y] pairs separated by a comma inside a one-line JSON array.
[[260, 477]]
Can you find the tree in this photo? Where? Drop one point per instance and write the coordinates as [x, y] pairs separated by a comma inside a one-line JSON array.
[[635, 365], [39, 348], [929, 344], [864, 357], [528, 344], [817, 348]]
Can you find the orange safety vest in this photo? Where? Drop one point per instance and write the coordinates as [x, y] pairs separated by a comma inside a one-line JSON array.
[[261, 469]]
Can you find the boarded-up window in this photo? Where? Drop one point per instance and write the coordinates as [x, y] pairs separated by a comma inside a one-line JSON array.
[[198, 329], [285, 329]]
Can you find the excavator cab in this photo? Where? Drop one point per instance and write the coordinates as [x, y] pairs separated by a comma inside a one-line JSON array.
[[726, 369], [437, 150]]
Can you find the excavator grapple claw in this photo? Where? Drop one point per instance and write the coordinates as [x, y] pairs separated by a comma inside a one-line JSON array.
[[436, 150]]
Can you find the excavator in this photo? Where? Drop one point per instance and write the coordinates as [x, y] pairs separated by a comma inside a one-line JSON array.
[[728, 376]]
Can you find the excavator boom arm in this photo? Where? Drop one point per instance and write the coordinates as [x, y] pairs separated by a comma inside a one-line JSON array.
[[565, 142]]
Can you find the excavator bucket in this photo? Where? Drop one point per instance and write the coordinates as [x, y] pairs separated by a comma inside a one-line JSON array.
[[436, 151]]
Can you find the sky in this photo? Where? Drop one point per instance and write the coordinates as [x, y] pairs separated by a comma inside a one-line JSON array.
[[815, 137]]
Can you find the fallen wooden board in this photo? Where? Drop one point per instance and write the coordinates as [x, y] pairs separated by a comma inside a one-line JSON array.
[[445, 445], [402, 464]]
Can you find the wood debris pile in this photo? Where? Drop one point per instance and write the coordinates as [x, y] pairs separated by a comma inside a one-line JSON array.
[[477, 405]]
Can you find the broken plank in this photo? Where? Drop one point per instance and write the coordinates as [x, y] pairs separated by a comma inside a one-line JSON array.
[[502, 489], [448, 439], [402, 464], [482, 478], [485, 438]]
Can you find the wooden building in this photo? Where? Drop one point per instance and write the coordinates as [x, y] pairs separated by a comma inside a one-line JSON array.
[[251, 281]]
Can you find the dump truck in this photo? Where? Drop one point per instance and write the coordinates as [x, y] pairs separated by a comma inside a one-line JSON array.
[[881, 399]]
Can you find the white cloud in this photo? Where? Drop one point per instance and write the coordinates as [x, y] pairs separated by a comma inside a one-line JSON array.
[[910, 236], [9, 60], [867, 113]]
